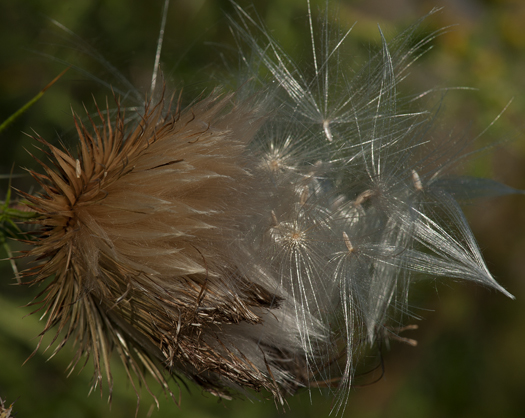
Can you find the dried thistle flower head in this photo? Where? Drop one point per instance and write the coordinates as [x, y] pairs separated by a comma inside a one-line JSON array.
[[257, 243], [140, 230]]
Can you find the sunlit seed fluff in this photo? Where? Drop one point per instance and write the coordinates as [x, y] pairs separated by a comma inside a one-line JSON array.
[[249, 248]]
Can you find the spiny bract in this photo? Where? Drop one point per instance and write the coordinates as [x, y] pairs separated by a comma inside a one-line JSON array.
[[258, 239]]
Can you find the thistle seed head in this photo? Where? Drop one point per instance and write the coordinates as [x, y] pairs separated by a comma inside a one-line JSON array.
[[258, 243], [138, 232]]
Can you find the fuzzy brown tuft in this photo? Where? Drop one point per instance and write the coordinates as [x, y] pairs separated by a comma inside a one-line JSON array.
[[138, 232]]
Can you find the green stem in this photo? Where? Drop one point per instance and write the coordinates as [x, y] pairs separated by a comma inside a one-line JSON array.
[[30, 103]]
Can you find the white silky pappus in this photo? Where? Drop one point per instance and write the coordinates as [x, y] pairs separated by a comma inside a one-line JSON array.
[[375, 203]]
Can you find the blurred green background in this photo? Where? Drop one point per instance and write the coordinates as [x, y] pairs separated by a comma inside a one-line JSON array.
[[469, 361]]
